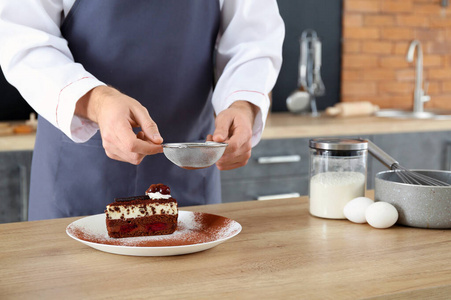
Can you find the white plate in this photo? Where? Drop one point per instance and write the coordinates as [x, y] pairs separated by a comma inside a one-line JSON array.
[[195, 232]]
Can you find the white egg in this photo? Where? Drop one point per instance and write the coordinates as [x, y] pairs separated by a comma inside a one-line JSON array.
[[381, 215], [355, 209]]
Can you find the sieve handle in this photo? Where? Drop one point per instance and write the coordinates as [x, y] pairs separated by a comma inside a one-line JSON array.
[[382, 156], [279, 196], [278, 159]]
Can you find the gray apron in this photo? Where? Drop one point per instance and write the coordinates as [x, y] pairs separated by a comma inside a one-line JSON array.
[[159, 52]]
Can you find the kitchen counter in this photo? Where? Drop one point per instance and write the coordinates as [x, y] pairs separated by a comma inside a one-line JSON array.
[[287, 125], [282, 252], [17, 142]]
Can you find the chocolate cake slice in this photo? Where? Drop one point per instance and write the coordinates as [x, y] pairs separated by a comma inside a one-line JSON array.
[[153, 214]]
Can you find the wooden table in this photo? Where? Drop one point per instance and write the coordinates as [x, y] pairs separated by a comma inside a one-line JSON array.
[[282, 252]]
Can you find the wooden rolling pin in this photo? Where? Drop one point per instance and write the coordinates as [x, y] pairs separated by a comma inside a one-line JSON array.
[[351, 109]]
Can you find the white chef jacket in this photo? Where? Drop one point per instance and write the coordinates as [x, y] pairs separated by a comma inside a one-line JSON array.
[[36, 59]]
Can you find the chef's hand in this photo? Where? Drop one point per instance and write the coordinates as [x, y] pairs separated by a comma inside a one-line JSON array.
[[117, 114], [234, 127]]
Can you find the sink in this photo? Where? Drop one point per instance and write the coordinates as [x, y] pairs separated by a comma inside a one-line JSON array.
[[436, 114], [419, 95]]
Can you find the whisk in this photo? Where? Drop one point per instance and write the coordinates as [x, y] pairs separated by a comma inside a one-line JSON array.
[[406, 175]]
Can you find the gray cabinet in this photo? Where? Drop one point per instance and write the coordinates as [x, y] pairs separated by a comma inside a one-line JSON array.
[[276, 167], [14, 185]]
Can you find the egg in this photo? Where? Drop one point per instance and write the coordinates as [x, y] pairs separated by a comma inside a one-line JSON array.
[[381, 215], [355, 209]]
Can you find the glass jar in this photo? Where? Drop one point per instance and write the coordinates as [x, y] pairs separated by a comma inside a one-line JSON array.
[[338, 170]]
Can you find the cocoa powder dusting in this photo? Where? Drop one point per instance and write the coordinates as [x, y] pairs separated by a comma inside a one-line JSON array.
[[193, 228]]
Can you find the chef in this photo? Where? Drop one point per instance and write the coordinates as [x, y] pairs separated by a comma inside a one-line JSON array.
[[112, 79]]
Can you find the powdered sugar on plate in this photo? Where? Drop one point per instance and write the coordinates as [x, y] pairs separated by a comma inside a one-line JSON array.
[[193, 228]]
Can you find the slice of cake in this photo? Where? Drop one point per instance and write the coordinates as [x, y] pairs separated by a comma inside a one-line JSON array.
[[152, 214]]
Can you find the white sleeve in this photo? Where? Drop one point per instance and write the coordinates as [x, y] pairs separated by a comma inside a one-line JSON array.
[[249, 56], [35, 58]]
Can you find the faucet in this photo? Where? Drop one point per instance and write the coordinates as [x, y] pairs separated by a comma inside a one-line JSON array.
[[419, 96]]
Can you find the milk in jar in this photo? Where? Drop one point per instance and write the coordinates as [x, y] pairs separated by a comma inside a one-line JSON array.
[[337, 175]]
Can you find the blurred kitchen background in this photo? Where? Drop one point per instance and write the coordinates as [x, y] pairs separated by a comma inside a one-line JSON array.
[[364, 44]]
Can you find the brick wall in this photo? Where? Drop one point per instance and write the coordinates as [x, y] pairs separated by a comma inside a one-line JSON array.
[[376, 36]]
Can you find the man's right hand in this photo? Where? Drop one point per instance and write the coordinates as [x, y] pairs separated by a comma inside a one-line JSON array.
[[117, 114]]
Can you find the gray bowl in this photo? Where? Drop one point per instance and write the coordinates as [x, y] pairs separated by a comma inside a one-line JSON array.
[[194, 155], [417, 205]]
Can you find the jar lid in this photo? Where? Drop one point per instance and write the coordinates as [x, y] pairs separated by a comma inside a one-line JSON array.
[[338, 144]]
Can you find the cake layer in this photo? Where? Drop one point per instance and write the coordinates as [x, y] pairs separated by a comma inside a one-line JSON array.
[[140, 210], [143, 226], [140, 206]]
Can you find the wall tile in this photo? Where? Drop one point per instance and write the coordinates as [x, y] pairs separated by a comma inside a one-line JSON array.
[[396, 88], [434, 61], [359, 88], [359, 61], [377, 47], [433, 88], [395, 6], [352, 46], [353, 20], [350, 75], [405, 74], [362, 6], [433, 47], [413, 20], [439, 74], [430, 8], [441, 101], [446, 87], [426, 34], [441, 22], [378, 20], [394, 62], [401, 47], [378, 74], [397, 33], [361, 33]]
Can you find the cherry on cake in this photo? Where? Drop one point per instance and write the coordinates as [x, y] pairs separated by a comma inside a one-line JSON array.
[[155, 213]]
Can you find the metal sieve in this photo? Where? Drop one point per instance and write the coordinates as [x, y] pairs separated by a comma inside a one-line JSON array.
[[194, 155]]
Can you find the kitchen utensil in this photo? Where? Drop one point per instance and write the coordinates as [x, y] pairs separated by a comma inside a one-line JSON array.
[[351, 109], [320, 89], [418, 205], [298, 101], [194, 155], [310, 84], [406, 175]]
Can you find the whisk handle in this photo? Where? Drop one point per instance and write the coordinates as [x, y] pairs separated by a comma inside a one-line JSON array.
[[382, 156]]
